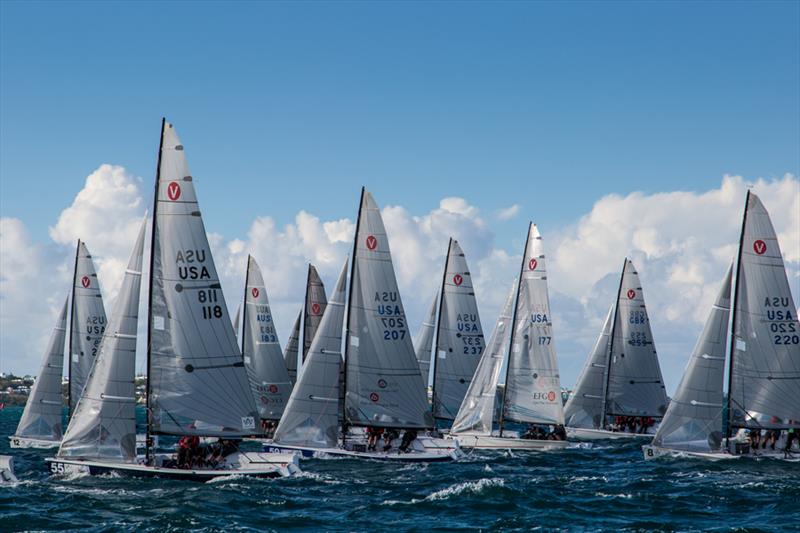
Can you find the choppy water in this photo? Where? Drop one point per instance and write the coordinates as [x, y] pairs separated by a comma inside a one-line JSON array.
[[608, 487]]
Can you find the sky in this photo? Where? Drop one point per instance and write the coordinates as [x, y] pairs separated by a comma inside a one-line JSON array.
[[621, 129]]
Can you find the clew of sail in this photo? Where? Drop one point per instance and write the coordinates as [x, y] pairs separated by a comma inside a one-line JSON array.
[[197, 380], [383, 384], [269, 379], [103, 424], [311, 417]]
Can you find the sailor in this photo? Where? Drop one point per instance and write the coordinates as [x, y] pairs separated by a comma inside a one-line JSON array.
[[373, 434], [388, 436], [755, 439], [187, 450], [408, 437], [791, 435]]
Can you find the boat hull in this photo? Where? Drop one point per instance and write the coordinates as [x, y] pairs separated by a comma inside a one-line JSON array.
[[423, 450], [604, 434], [27, 442], [485, 442], [265, 465], [651, 453]]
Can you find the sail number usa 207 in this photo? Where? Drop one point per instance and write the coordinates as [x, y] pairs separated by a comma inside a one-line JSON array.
[[390, 315]]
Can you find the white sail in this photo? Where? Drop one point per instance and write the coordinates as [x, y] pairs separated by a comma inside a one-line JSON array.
[[584, 408], [459, 336], [693, 421], [477, 411], [291, 351], [635, 386], [765, 382], [237, 320], [383, 384], [87, 322], [41, 418], [198, 383], [423, 342], [533, 384], [103, 424], [312, 415], [269, 379], [313, 309]]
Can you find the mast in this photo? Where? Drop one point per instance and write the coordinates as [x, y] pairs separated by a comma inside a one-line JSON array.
[[438, 328], [729, 429], [348, 310], [71, 319], [513, 329], [244, 306], [148, 443], [611, 346]]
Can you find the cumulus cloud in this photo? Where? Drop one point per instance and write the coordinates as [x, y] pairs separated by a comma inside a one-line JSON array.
[[507, 213]]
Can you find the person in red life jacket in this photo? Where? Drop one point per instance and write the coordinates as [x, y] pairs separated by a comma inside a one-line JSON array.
[[187, 450], [373, 434]]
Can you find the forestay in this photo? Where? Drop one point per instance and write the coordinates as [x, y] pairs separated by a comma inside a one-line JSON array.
[[635, 386], [290, 353], [693, 421], [584, 408], [104, 422], [477, 411], [459, 336], [765, 384], [87, 322], [198, 383], [269, 379], [384, 386], [314, 308], [312, 415], [41, 418], [533, 385], [423, 342]]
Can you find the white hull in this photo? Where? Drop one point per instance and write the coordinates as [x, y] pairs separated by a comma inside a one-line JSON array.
[[604, 434], [657, 452], [423, 449], [236, 464], [485, 442], [7, 469], [26, 442]]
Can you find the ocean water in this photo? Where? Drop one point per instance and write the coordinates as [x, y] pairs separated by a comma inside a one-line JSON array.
[[608, 487]]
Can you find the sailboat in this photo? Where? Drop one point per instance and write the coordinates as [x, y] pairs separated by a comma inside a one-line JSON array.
[[269, 379], [40, 425], [423, 341], [622, 377], [459, 340], [532, 393], [383, 387], [763, 360], [197, 382], [292, 350]]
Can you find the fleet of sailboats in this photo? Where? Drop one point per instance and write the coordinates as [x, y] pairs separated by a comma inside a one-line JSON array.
[[350, 372]]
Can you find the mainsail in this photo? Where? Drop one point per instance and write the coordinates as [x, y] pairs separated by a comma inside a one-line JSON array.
[[477, 411], [87, 322], [269, 379], [237, 320], [693, 421], [312, 415], [103, 424], [584, 408], [459, 336], [533, 385], [635, 386], [41, 418], [383, 384], [765, 347], [423, 342], [292, 347], [313, 308], [197, 380]]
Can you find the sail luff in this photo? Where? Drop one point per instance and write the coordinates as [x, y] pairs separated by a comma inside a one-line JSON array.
[[732, 349], [438, 328], [291, 352], [70, 351], [423, 342], [612, 336]]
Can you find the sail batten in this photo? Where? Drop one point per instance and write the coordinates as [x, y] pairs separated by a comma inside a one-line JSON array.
[[383, 383], [190, 328]]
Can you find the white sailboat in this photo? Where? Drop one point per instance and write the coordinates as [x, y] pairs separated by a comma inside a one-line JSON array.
[[763, 361], [269, 379], [532, 393], [622, 377], [383, 387], [197, 383], [40, 425], [459, 341]]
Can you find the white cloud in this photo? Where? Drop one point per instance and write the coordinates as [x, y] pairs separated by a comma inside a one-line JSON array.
[[507, 213]]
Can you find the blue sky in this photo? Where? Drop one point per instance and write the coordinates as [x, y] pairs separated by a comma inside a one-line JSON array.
[[286, 107]]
